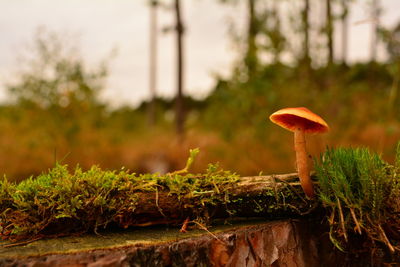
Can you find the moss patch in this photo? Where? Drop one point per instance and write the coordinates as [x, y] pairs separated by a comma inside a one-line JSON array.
[[362, 195], [63, 202]]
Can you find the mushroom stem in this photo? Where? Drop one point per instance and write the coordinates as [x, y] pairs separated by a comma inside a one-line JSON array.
[[302, 162]]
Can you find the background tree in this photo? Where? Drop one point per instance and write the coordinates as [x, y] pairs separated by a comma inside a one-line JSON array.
[[180, 113], [56, 77], [392, 40], [153, 61], [375, 14], [345, 29], [329, 31], [57, 103], [306, 46], [251, 57], [56, 86], [55, 108], [269, 24]]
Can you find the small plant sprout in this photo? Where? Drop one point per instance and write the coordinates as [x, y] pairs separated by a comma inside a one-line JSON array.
[[192, 156], [300, 121]]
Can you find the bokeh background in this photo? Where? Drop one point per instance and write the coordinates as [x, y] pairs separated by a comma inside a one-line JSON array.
[[137, 83]]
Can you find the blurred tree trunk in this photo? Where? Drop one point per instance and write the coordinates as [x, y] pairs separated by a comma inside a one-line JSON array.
[[329, 31], [278, 38], [153, 62], [251, 59], [345, 28], [306, 60], [375, 11], [306, 26], [179, 108]]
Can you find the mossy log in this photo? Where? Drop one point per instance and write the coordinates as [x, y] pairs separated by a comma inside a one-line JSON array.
[[154, 203], [256, 196]]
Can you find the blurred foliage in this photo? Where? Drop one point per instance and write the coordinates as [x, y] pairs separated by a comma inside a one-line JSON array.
[[56, 77], [55, 113]]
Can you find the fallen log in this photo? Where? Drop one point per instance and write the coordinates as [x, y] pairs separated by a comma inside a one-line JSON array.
[[274, 196], [75, 204]]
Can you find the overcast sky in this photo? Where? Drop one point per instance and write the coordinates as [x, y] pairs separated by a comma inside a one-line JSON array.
[[104, 25]]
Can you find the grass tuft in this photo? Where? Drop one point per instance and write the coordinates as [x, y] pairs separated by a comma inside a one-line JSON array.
[[360, 190]]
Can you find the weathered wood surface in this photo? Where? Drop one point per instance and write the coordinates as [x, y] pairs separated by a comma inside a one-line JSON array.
[[255, 184], [280, 243], [300, 243]]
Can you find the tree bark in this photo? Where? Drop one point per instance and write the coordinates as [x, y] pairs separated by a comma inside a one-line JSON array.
[[300, 242], [260, 243]]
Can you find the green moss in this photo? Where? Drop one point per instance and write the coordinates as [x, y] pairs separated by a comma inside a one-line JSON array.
[[361, 193], [62, 202], [86, 200]]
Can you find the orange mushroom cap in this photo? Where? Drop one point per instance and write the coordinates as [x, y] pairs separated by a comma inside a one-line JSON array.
[[294, 118]]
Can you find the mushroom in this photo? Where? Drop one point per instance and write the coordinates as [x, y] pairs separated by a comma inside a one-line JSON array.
[[300, 121]]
